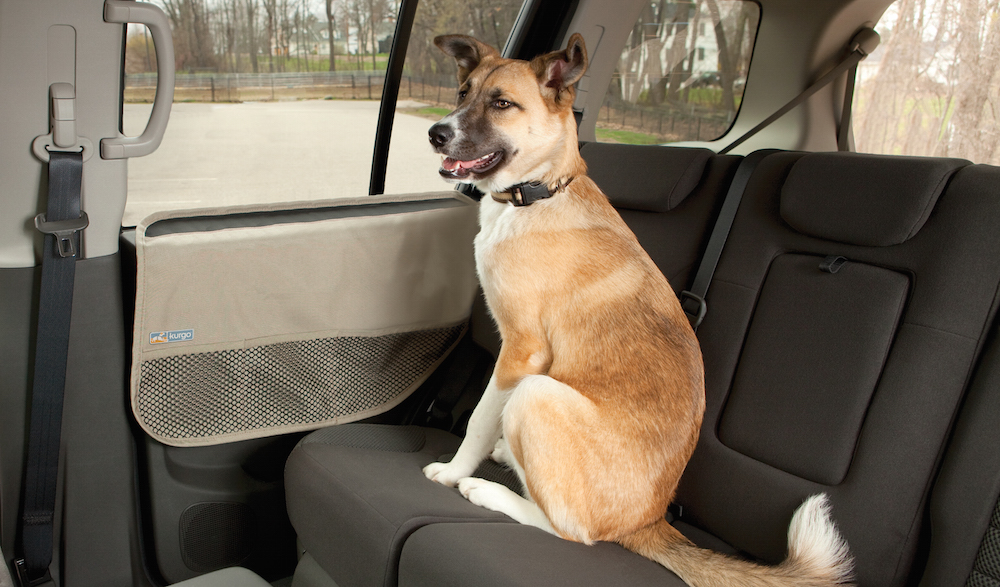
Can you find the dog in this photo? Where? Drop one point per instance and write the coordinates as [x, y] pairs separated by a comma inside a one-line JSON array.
[[597, 396]]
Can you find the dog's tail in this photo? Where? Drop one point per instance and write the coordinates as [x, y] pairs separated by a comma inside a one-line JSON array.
[[817, 554]]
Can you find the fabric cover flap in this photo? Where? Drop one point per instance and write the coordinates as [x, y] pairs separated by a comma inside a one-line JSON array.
[[868, 200], [258, 320], [651, 178]]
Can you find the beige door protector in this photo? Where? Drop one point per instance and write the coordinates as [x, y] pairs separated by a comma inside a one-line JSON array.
[[264, 320]]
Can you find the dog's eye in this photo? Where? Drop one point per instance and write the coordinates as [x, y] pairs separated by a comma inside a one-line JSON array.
[[462, 95], [501, 104]]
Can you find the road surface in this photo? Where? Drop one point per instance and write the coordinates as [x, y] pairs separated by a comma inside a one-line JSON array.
[[258, 152]]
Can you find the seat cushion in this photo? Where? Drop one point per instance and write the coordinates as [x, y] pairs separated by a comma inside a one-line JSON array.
[[359, 502], [356, 492], [512, 555]]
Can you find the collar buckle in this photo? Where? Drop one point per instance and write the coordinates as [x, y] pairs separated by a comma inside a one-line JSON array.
[[526, 194]]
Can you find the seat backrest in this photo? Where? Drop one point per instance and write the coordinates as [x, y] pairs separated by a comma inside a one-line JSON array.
[[842, 376], [964, 513], [669, 197]]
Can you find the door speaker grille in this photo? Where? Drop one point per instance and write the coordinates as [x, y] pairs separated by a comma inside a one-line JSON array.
[[215, 535]]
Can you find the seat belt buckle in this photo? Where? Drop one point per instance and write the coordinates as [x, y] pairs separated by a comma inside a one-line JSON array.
[[696, 314], [63, 230], [24, 577]]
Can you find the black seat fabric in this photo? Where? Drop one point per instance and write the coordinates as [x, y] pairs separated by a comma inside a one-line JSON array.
[[848, 382], [354, 498], [823, 374], [964, 518], [512, 555], [356, 492]]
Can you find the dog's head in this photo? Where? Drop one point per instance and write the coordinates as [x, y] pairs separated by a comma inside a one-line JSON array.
[[514, 119]]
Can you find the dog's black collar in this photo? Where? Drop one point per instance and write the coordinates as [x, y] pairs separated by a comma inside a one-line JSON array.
[[527, 193]]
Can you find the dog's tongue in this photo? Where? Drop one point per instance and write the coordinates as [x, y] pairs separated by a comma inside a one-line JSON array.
[[456, 165]]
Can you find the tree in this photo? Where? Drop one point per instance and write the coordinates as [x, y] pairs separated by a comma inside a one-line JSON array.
[[251, 35], [978, 49], [727, 69], [678, 50], [271, 15], [193, 46], [331, 25], [936, 90]]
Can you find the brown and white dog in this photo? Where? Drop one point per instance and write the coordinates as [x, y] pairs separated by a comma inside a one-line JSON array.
[[597, 396]]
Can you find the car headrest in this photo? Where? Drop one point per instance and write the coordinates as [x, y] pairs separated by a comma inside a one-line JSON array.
[[652, 178], [861, 199]]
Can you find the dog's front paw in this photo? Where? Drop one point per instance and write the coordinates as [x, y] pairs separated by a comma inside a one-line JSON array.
[[445, 473], [484, 493]]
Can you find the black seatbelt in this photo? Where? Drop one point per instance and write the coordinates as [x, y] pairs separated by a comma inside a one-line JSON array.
[[693, 300], [63, 220], [862, 44]]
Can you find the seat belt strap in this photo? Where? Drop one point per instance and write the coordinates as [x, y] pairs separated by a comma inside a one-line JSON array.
[[862, 44], [844, 132], [62, 223], [693, 300]]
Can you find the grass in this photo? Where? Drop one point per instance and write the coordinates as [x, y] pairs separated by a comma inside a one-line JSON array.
[[434, 111], [607, 135], [430, 112]]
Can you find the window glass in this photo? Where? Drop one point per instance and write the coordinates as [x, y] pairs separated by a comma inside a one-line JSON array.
[[933, 85], [681, 73], [278, 100], [427, 89]]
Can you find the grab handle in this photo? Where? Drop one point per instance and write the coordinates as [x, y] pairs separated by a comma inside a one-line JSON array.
[[121, 11]]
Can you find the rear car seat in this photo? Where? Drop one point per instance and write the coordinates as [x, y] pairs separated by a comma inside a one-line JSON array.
[[843, 382], [356, 492], [822, 374]]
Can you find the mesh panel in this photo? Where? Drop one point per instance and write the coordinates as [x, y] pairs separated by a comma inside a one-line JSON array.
[[977, 579], [986, 571], [284, 384]]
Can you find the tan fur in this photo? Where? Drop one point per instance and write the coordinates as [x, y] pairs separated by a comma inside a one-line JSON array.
[[598, 386]]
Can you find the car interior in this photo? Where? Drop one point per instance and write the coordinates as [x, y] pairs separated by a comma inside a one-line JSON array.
[[222, 393]]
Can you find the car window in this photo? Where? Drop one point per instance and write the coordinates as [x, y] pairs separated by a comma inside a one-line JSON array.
[[933, 85], [262, 113], [682, 72], [427, 89]]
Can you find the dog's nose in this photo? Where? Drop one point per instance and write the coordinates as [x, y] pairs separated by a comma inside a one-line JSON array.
[[440, 134]]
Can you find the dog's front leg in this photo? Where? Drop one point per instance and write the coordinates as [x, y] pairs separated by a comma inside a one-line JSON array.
[[521, 355], [480, 439]]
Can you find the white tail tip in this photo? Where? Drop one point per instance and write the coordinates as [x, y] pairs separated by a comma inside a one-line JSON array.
[[814, 541]]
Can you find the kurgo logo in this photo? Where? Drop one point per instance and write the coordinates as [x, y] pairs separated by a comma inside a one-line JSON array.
[[165, 336]]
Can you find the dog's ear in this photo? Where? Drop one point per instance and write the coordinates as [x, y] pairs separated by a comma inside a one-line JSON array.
[[467, 51], [559, 70]]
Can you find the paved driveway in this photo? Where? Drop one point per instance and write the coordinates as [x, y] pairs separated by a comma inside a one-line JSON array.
[[256, 152]]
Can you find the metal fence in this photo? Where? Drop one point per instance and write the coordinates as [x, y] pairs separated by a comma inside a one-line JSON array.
[[665, 122], [656, 124], [238, 87]]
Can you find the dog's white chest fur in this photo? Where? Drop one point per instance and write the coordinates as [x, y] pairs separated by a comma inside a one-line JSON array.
[[497, 223]]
